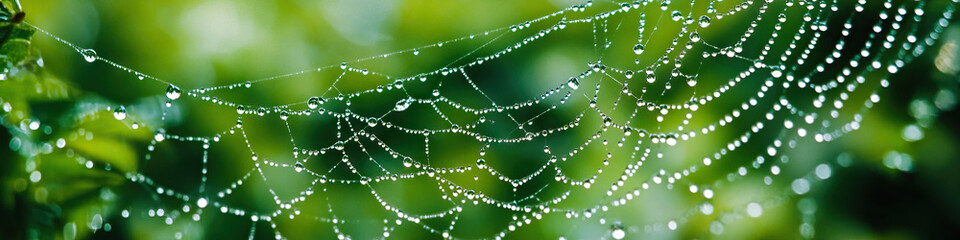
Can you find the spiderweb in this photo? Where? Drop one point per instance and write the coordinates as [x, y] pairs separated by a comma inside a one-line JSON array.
[[612, 146]]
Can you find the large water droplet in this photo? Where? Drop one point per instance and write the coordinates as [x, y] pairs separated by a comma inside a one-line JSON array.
[[616, 231], [481, 163], [160, 136], [120, 113], [173, 92], [298, 167], [676, 15], [407, 162], [704, 21], [800, 186], [470, 194], [89, 54], [372, 122], [671, 140], [314, 102], [754, 209], [638, 49], [402, 105], [694, 37], [573, 83]]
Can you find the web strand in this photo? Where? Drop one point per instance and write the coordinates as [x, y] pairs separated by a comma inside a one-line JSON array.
[[597, 132]]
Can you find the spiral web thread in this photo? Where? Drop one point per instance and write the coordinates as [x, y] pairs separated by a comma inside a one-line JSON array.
[[637, 111]]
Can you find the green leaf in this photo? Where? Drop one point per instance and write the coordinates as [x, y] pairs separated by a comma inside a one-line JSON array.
[[16, 50]]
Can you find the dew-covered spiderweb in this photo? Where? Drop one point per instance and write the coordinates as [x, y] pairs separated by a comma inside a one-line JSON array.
[[681, 119]]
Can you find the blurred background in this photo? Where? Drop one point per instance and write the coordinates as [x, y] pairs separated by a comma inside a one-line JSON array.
[[65, 173]]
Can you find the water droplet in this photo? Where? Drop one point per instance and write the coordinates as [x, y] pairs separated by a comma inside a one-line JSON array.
[[407, 162], [651, 78], [628, 74], [671, 140], [372, 122], [704, 21], [402, 105], [343, 65], [89, 54], [416, 52], [694, 37], [470, 194], [248, 84], [800, 186], [638, 49], [298, 167], [160, 136], [823, 171], [120, 113], [616, 231], [314, 102], [676, 15], [754, 209], [482, 164], [173, 92], [284, 115], [436, 92], [573, 83]]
